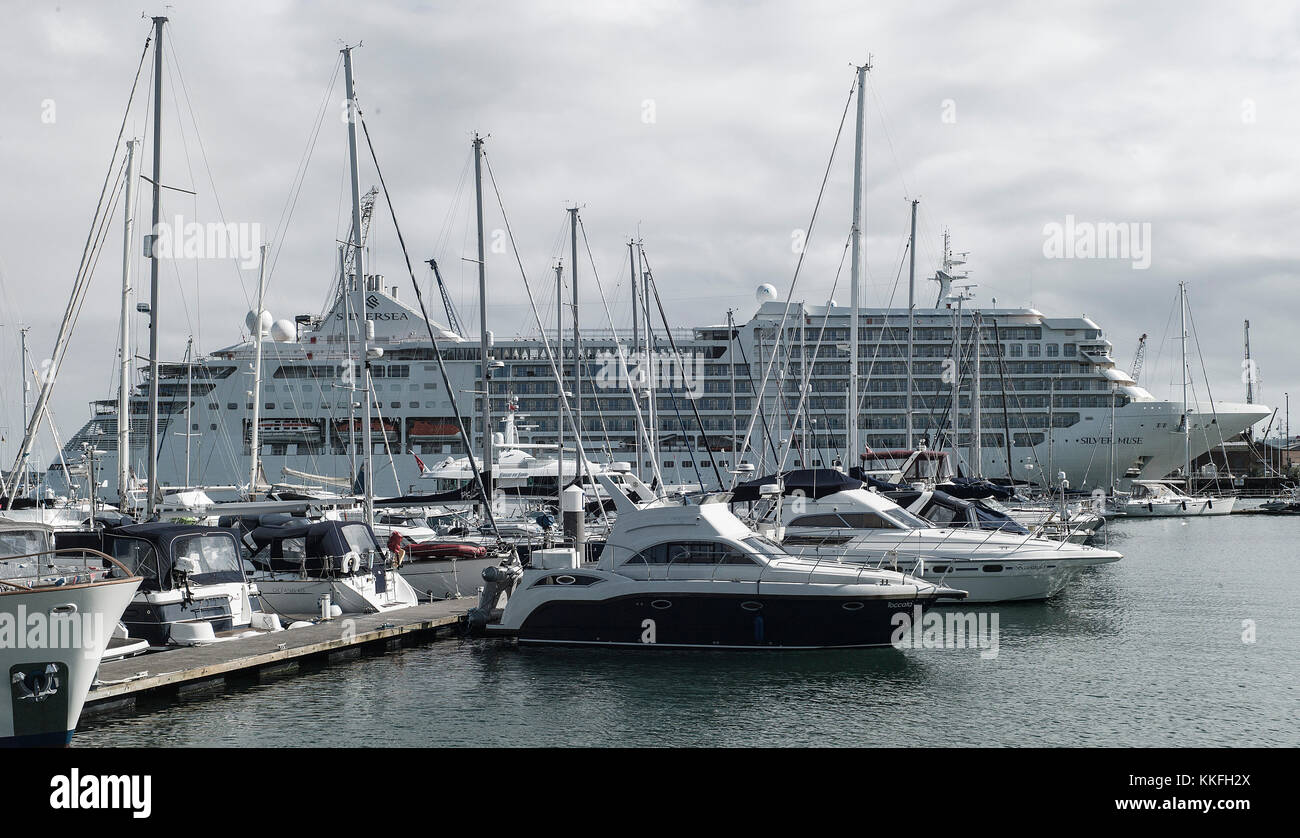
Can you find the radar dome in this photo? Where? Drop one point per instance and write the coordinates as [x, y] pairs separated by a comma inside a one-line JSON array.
[[251, 319], [765, 292], [283, 331]]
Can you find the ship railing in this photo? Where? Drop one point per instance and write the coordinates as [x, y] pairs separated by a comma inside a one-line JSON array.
[[66, 566], [331, 567]]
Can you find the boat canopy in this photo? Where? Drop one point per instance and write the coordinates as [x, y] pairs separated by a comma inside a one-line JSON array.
[[152, 550], [306, 545], [805, 482], [945, 510]]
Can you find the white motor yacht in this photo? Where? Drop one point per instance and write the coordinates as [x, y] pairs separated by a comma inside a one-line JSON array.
[[826, 515], [694, 575]]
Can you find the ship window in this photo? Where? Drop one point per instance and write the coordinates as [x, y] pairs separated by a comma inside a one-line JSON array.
[[690, 553], [1053, 350], [1035, 350], [232, 406]]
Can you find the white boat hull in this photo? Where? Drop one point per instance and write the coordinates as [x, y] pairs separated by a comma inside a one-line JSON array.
[[295, 596], [447, 578], [46, 683], [1191, 507]]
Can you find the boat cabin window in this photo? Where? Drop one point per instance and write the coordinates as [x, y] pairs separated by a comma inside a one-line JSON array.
[[690, 552], [139, 557], [22, 542], [940, 515], [289, 548], [215, 553], [359, 539], [850, 520]]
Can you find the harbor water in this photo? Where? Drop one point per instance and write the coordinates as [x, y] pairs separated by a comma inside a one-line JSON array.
[[1191, 640]]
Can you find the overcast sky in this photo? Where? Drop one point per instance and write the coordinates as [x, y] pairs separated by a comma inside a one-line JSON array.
[[705, 126]]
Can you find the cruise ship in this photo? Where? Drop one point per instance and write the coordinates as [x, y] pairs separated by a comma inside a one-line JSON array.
[[1051, 399]]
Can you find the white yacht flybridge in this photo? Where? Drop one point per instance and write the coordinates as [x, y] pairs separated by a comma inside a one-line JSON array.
[[693, 575], [829, 516]]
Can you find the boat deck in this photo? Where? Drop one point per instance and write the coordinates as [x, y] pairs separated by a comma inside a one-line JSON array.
[[167, 675]]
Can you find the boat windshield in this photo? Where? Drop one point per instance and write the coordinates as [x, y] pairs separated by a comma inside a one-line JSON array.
[[214, 553], [22, 542], [359, 539], [404, 521], [766, 547], [905, 519]]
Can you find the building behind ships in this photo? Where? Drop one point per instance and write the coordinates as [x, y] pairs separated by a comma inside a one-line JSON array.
[[1049, 393]]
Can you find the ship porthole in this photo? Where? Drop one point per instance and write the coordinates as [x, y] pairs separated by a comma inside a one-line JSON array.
[[564, 580], [852, 606], [750, 605], [661, 604]]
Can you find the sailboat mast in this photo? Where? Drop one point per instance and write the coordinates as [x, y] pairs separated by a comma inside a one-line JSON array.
[[1250, 372], [367, 474], [731, 367], [911, 322], [1187, 420], [559, 353], [955, 409], [976, 423], [255, 441], [484, 341], [153, 265], [636, 345], [577, 342], [1114, 395], [189, 404], [851, 405], [124, 337], [1051, 428], [649, 368]]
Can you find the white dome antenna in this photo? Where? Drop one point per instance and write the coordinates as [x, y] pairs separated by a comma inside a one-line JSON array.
[[250, 320]]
